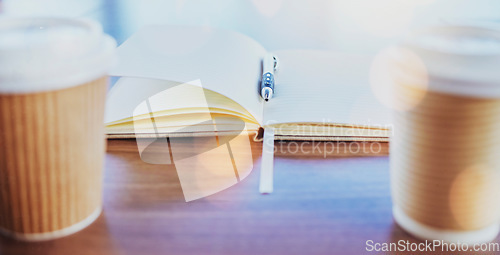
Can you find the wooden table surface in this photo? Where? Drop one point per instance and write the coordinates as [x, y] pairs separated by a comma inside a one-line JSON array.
[[321, 205]]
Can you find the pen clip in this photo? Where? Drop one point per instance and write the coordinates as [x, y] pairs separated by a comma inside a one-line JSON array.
[[276, 62]]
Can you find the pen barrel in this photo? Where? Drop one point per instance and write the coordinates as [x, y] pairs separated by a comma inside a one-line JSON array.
[[268, 64], [267, 81], [267, 86]]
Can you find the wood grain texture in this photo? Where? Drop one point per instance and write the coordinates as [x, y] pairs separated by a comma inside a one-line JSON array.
[[51, 157], [320, 205]]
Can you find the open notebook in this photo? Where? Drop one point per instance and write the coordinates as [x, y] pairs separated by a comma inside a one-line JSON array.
[[181, 75]]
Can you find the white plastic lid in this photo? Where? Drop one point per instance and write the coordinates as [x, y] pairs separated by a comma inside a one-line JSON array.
[[43, 54], [463, 60]]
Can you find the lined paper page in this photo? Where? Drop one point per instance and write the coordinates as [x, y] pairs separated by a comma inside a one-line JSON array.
[[324, 87]]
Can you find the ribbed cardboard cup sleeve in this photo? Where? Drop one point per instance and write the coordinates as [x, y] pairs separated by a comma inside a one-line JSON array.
[[51, 159], [445, 169]]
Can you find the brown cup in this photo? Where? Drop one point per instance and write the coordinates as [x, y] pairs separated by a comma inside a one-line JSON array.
[[52, 141], [51, 160], [445, 169]]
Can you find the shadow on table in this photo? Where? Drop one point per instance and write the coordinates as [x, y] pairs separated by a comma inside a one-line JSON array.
[[94, 240], [412, 244]]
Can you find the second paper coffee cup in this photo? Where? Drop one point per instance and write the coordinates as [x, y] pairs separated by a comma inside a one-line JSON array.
[[445, 169]]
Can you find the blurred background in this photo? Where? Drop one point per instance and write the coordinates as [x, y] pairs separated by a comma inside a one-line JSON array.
[[363, 26]]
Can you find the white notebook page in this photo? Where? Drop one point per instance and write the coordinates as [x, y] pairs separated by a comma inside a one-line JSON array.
[[224, 61], [324, 87]]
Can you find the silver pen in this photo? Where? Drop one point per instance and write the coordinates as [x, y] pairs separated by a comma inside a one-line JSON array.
[[269, 65]]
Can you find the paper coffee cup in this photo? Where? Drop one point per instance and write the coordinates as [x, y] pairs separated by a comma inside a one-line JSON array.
[[53, 84], [445, 169]]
